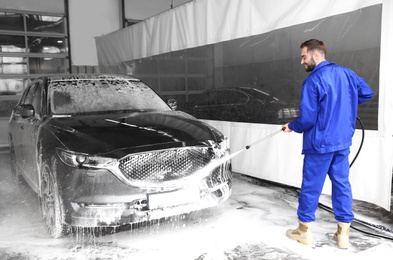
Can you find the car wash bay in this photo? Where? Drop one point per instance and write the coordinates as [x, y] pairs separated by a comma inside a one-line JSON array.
[[250, 225]]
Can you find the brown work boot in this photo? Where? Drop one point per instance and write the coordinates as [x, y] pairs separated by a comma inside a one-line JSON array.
[[342, 235], [302, 234]]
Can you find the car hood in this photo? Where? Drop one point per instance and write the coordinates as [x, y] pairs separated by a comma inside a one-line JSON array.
[[118, 135]]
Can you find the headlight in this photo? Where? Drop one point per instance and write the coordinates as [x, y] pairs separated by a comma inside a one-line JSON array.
[[287, 113], [220, 149], [74, 159]]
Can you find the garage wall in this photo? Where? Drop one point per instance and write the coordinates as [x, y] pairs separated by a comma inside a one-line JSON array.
[[140, 10], [89, 19]]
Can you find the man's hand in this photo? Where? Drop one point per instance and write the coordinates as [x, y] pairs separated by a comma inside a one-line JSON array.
[[286, 128]]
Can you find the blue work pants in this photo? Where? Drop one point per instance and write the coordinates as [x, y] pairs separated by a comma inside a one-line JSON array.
[[315, 168]]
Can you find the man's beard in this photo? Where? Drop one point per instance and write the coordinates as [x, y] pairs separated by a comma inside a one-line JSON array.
[[310, 66]]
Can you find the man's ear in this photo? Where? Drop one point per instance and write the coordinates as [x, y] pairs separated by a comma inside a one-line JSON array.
[[317, 56]]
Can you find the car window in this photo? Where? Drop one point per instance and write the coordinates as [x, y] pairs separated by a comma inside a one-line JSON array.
[[70, 96], [259, 94], [231, 97], [208, 99]]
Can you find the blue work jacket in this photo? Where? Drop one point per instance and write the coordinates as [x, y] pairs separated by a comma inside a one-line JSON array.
[[330, 97]]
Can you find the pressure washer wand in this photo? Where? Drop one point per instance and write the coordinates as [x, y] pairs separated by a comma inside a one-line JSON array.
[[203, 172], [265, 138]]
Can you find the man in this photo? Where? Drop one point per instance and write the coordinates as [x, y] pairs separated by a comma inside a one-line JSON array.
[[329, 103]]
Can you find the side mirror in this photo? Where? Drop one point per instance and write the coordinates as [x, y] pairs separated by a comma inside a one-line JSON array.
[[24, 111], [172, 103]]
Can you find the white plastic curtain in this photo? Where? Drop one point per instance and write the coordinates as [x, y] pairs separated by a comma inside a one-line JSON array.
[[278, 159], [203, 22]]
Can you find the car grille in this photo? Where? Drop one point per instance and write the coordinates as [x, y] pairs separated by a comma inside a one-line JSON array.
[[164, 165]]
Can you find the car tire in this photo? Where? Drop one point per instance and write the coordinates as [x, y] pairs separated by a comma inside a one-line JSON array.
[[51, 204]]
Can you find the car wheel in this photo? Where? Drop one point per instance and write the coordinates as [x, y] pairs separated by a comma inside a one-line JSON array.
[[14, 169], [51, 204]]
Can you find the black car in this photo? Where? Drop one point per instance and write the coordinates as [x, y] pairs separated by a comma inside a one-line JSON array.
[[242, 104], [106, 150]]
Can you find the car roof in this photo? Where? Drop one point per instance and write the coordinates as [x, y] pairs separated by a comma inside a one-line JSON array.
[[73, 76], [239, 88]]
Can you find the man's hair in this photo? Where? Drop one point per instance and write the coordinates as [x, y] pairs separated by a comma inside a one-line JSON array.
[[313, 45]]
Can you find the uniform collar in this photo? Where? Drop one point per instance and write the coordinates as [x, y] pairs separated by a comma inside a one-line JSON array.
[[320, 65]]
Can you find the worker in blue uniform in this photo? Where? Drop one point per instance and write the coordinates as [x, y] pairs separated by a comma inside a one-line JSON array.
[[330, 97]]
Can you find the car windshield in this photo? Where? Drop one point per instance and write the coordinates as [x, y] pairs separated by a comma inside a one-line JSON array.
[[74, 96]]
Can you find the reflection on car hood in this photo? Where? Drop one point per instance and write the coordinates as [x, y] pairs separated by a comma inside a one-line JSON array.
[[118, 135]]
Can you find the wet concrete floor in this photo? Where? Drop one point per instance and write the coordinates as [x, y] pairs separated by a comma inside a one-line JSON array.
[[250, 225]]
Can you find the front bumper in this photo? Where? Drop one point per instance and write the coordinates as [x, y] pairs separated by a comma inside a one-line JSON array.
[[117, 214], [103, 210]]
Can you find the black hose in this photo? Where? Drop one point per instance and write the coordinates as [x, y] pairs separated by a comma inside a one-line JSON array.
[[361, 142], [363, 223]]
